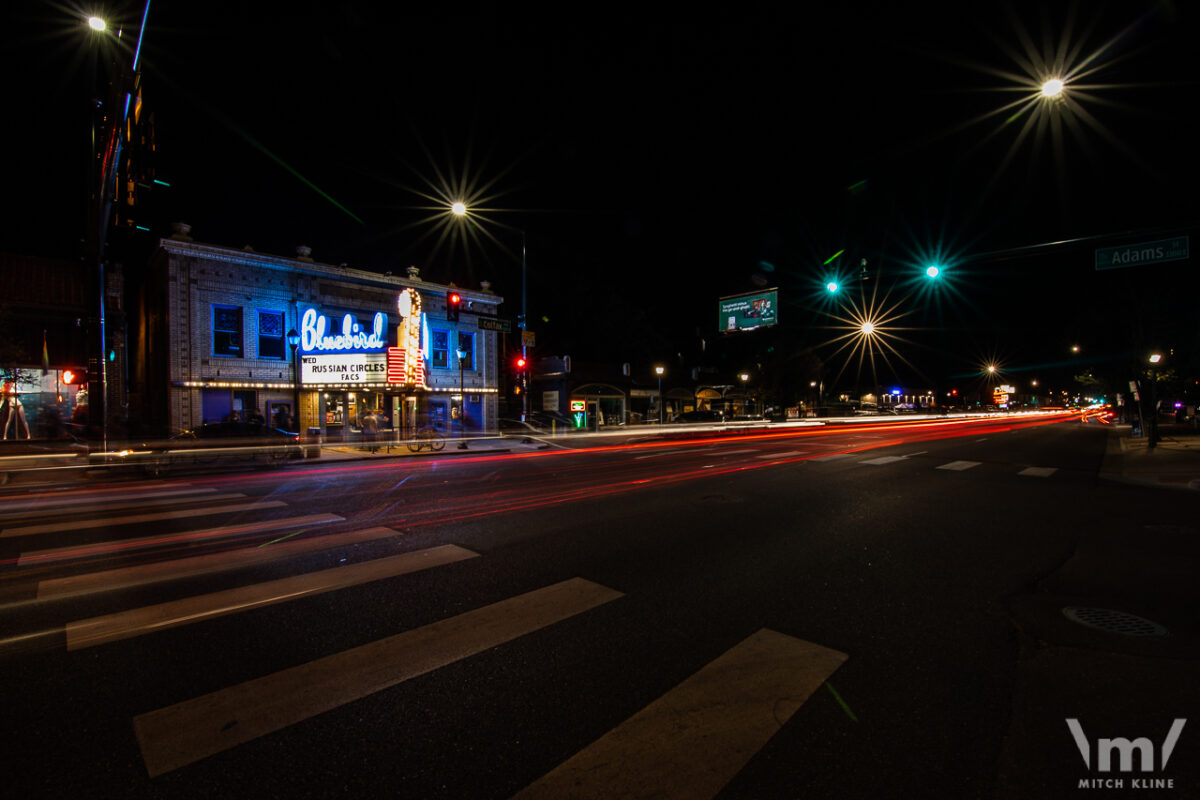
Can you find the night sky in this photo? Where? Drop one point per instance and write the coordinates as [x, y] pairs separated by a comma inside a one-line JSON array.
[[660, 159]]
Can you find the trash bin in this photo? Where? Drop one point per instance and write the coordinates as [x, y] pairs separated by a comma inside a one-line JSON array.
[[312, 443]]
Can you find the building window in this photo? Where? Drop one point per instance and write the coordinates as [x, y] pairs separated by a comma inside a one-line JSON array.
[[439, 349], [466, 343], [227, 331], [270, 334]]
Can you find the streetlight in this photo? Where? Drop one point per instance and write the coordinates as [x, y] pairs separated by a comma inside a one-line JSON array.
[[1152, 434], [293, 339], [459, 209], [462, 398], [103, 188], [744, 377], [1052, 88], [659, 372]]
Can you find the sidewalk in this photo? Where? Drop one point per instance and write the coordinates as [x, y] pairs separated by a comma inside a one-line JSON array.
[[1120, 676], [1173, 463], [474, 445]]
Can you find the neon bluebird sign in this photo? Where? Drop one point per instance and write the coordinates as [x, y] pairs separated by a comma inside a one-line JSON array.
[[318, 336]]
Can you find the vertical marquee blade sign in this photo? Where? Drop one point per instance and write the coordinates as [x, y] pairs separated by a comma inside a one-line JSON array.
[[406, 361]]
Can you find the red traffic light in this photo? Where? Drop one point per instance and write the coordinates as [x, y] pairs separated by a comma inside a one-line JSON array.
[[454, 298], [72, 376], [520, 363], [453, 303]]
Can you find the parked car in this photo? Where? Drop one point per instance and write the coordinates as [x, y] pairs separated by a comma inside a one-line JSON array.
[[538, 422], [700, 415], [216, 443]]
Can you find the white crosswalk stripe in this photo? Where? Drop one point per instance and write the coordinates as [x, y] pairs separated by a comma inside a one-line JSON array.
[[115, 505], [115, 522], [149, 619], [1039, 472], [184, 733], [959, 466], [693, 740], [884, 460]]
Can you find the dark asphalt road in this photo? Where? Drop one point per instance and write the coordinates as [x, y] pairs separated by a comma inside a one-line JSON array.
[[905, 557]]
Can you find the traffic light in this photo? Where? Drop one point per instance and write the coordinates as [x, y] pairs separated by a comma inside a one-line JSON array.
[[453, 303], [519, 382], [73, 376]]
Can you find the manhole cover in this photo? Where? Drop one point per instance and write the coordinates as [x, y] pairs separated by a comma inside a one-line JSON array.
[[1107, 619]]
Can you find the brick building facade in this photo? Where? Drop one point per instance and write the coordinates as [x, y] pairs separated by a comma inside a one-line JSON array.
[[220, 323]]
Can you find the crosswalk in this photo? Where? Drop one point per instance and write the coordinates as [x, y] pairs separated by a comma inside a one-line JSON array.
[[956, 465], [690, 742]]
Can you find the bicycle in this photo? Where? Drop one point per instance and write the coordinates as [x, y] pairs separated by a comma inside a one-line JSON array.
[[426, 438]]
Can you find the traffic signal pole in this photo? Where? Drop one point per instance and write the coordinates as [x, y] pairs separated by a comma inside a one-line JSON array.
[[524, 354]]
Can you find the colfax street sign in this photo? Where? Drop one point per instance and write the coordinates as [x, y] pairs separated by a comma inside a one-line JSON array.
[[490, 324], [1137, 255]]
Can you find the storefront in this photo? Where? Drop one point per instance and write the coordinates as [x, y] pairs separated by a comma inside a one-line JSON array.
[[354, 365], [604, 402], [316, 348]]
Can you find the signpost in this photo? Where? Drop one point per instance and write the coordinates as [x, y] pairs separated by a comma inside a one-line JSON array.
[[1159, 251]]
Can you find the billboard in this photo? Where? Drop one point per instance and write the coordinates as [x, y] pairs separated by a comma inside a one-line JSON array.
[[745, 312]]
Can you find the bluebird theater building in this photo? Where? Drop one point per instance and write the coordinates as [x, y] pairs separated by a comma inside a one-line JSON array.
[[312, 346]]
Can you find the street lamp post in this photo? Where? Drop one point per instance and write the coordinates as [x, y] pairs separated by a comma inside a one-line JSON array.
[[293, 339], [460, 209], [1152, 428], [462, 399], [105, 159], [659, 372]]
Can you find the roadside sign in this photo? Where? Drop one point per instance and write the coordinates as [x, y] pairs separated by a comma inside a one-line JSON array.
[[1159, 251], [494, 324], [528, 339]]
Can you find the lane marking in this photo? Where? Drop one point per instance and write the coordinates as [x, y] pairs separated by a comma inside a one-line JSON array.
[[1039, 472], [833, 457], [186, 732], [57, 502], [143, 574], [660, 454], [785, 454], [736, 452], [694, 739], [141, 543], [984, 439], [150, 619], [107, 522], [959, 466], [884, 460], [119, 506]]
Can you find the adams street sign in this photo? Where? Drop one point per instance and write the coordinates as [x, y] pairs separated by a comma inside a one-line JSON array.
[[1137, 255]]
